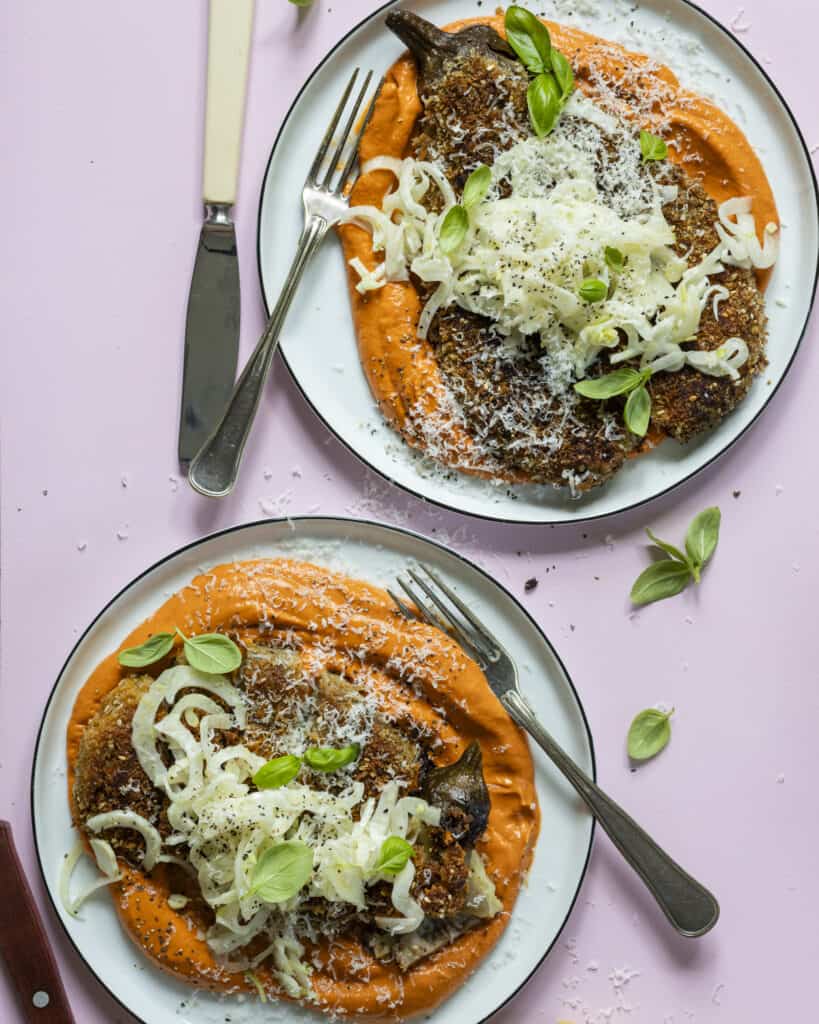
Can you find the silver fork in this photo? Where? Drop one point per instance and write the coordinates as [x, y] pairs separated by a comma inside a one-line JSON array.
[[687, 904], [214, 469]]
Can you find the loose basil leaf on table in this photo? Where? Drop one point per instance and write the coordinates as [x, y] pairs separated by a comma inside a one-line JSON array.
[[453, 229], [544, 103], [661, 580], [154, 649], [393, 856], [649, 733], [281, 871], [637, 413], [669, 549], [529, 38], [652, 147], [610, 384], [702, 537], [212, 653], [477, 185], [278, 772], [330, 759]]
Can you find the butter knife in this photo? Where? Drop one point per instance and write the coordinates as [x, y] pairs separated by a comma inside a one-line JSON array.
[[212, 325]]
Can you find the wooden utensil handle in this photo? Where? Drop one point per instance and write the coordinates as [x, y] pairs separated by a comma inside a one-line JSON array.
[[24, 944]]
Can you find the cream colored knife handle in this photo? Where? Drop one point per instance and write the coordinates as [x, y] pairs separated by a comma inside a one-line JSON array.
[[230, 24]]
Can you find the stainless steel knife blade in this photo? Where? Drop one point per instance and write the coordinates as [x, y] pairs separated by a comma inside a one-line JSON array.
[[211, 335]]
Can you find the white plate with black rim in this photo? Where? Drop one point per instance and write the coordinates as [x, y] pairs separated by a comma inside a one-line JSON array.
[[375, 553], [318, 341]]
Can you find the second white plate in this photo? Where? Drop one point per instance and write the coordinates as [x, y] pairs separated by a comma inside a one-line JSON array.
[[375, 553], [318, 342]]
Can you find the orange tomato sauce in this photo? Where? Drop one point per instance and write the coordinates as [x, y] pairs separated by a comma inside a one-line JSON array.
[[330, 614], [401, 368]]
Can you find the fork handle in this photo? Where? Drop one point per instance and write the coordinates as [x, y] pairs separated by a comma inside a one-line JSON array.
[[214, 468], [687, 904]]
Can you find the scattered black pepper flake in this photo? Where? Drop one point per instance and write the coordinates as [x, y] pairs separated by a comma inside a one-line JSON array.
[[530, 585], [737, 493]]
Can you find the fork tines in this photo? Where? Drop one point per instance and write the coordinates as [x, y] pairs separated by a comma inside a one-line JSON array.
[[446, 612], [314, 178]]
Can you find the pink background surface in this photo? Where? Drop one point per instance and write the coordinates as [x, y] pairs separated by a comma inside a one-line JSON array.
[[102, 119]]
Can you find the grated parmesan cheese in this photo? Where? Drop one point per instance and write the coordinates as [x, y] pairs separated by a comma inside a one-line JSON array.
[[556, 204]]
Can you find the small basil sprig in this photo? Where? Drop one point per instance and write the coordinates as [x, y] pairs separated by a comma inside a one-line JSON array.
[[544, 104], [154, 649], [649, 733], [702, 538], [672, 575], [213, 653], [625, 381], [637, 411], [330, 759], [453, 229], [393, 856], [652, 147], [529, 38], [663, 579], [281, 871], [476, 187], [563, 73], [554, 79], [456, 222], [278, 772], [593, 290]]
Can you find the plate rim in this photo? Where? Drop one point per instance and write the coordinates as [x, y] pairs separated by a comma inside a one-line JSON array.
[[487, 516], [308, 519]]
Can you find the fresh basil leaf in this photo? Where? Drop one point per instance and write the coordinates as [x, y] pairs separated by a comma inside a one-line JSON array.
[[278, 772], [476, 187], [669, 549], [637, 413], [610, 384], [213, 653], [661, 580], [453, 229], [543, 101], [652, 147], [563, 74], [281, 871], [529, 38], [593, 290], [615, 260], [702, 538], [152, 650], [301, 3], [330, 759], [649, 733], [393, 856]]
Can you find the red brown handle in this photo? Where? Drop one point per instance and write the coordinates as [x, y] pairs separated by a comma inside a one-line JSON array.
[[24, 944]]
